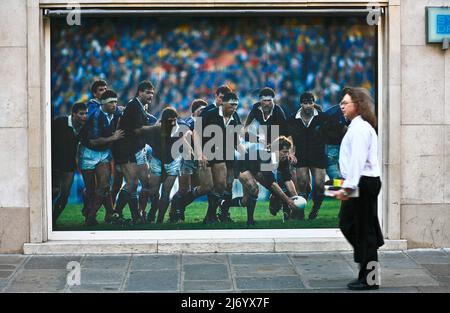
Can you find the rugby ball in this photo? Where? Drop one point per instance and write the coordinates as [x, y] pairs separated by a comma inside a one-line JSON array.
[[299, 202]]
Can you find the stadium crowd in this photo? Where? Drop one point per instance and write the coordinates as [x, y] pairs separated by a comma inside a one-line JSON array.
[[188, 57]]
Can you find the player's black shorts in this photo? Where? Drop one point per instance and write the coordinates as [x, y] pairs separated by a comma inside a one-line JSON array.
[[320, 163], [121, 156], [64, 166], [124, 153], [57, 176], [64, 163], [254, 167], [212, 162]]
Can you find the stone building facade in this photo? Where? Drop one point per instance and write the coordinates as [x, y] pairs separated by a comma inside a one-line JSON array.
[[414, 118]]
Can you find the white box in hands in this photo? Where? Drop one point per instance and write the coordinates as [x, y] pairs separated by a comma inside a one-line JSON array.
[[330, 191]]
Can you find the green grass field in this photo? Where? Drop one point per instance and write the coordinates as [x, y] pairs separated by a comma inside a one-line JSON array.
[[71, 219]]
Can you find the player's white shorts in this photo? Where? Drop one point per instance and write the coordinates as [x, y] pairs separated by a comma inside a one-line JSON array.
[[88, 158], [141, 157], [148, 152], [172, 169]]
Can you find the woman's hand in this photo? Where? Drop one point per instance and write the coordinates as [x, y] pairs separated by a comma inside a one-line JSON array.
[[342, 195]]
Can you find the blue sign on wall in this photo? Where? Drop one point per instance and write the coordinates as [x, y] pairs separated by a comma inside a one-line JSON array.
[[443, 24], [438, 24]]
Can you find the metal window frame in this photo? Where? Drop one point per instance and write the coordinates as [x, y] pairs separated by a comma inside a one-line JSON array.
[[59, 13], [202, 233]]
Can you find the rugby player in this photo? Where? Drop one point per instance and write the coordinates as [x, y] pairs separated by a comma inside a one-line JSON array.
[[129, 152], [306, 129], [253, 173], [222, 122], [162, 138], [193, 181], [97, 89], [144, 194], [96, 138], [231, 166], [65, 130], [267, 121], [267, 114]]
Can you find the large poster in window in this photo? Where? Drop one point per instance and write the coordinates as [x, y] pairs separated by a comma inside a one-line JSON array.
[[232, 122]]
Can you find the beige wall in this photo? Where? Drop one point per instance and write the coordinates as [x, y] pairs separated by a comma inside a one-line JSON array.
[[425, 144], [14, 201], [416, 117]]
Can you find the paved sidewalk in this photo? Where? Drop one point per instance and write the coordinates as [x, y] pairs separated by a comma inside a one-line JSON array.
[[408, 271]]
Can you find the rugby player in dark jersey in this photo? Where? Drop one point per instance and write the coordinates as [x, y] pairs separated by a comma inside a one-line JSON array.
[[266, 121], [267, 114], [145, 192], [218, 96], [218, 150], [254, 172], [306, 130], [65, 139], [116, 172], [96, 138], [129, 152], [232, 165], [193, 181], [118, 175]]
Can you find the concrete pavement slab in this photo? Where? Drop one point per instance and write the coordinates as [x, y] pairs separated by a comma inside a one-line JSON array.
[[95, 288], [323, 267], [318, 260], [3, 283], [269, 283], [38, 280], [106, 262], [205, 272], [98, 276], [328, 283], [262, 291], [154, 262], [207, 286], [414, 271], [274, 259], [262, 270], [12, 259], [388, 260], [338, 275], [7, 267], [348, 256], [50, 262], [407, 281], [399, 259], [434, 289], [5, 274], [429, 256], [381, 290], [323, 256], [401, 277], [204, 258], [438, 269], [388, 289], [153, 281], [394, 272], [443, 280]]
